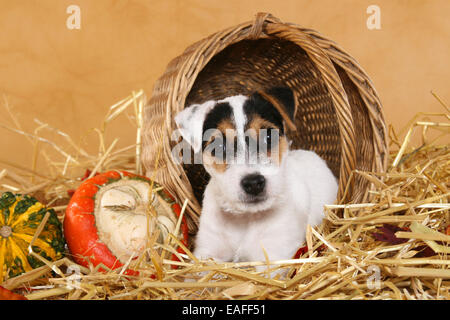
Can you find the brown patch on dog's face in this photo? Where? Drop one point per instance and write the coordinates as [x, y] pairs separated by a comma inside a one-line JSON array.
[[276, 152], [224, 125], [283, 148], [263, 129], [256, 123], [217, 123], [211, 161], [227, 132]]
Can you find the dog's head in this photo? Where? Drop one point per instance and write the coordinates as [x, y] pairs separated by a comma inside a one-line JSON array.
[[243, 143]]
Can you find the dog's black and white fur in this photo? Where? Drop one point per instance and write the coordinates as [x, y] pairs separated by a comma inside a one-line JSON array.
[[264, 204]]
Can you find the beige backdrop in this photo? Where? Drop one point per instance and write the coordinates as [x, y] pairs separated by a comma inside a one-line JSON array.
[[69, 78]]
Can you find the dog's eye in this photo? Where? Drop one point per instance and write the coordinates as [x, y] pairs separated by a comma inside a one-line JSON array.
[[270, 138], [220, 146], [223, 146]]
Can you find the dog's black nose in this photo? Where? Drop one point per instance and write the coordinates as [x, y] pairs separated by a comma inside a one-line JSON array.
[[253, 184]]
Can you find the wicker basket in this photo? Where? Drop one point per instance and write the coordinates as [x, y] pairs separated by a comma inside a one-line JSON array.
[[338, 113]]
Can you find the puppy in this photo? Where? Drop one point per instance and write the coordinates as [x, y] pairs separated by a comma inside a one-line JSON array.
[[261, 195]]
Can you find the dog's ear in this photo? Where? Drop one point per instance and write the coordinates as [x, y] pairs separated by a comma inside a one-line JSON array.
[[283, 100], [190, 122]]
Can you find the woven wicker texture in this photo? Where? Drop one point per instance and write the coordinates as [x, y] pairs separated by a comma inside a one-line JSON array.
[[338, 113]]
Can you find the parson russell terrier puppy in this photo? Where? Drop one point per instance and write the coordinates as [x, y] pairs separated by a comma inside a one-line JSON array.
[[261, 194]]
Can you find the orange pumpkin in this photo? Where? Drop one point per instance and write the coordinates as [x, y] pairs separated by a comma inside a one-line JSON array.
[[106, 220]]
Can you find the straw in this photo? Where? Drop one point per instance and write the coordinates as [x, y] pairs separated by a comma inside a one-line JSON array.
[[412, 195]]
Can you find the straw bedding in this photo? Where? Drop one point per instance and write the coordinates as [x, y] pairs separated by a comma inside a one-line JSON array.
[[394, 247]]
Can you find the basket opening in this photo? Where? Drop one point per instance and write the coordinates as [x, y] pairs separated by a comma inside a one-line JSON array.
[[250, 65]]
